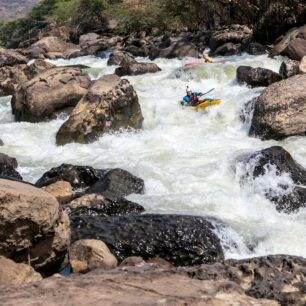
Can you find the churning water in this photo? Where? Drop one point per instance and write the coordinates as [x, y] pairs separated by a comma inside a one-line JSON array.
[[186, 158]]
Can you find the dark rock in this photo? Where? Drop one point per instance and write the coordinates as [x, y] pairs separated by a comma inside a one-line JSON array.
[[288, 197], [235, 34], [8, 166], [111, 104], [280, 277], [137, 69], [280, 110], [1, 143], [98, 205], [117, 183], [255, 48], [289, 68], [292, 44], [181, 240], [119, 58], [77, 176], [228, 49], [257, 77]]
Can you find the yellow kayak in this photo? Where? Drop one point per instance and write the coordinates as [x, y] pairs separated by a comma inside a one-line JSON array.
[[204, 104]]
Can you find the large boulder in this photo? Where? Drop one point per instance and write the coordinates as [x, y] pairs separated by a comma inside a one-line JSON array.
[[8, 167], [257, 77], [288, 195], [279, 277], [10, 58], [280, 110], [12, 273], [117, 183], [119, 58], [80, 177], [33, 229], [13, 76], [52, 47], [54, 90], [133, 286], [110, 105], [255, 48], [292, 44], [137, 69], [181, 240], [177, 49], [90, 254], [236, 34], [228, 49], [289, 68], [98, 205]]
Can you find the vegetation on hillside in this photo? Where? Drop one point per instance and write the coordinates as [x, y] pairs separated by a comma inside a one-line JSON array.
[[82, 16]]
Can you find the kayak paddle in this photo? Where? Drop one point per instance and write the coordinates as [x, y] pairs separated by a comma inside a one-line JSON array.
[[207, 92]]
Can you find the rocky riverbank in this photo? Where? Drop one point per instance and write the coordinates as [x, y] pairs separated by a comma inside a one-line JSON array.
[[78, 219]]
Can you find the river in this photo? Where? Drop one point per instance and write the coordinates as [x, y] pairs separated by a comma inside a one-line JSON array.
[[186, 158]]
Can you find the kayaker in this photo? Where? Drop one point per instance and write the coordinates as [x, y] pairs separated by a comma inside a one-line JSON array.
[[207, 59], [192, 98]]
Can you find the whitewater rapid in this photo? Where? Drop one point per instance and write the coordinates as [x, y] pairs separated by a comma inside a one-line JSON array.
[[186, 158]]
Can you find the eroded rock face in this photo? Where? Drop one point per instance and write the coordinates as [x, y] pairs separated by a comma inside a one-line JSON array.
[[32, 226], [280, 278], [10, 58], [52, 91], [77, 176], [134, 286], [117, 183], [12, 273], [235, 34], [110, 105], [90, 254], [292, 44], [8, 167], [289, 195], [280, 110], [289, 68], [137, 69], [257, 77], [52, 47], [61, 190], [181, 240], [13, 76], [98, 205]]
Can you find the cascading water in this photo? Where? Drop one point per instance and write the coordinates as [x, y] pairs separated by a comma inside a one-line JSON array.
[[186, 158]]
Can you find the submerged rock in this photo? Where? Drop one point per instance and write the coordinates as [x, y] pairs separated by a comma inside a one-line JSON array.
[[111, 104], [98, 205], [280, 110], [133, 286], [181, 240], [117, 183], [257, 77], [77, 176], [32, 227], [289, 195], [280, 277], [12, 273], [51, 91], [89, 254], [289, 68], [8, 167]]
